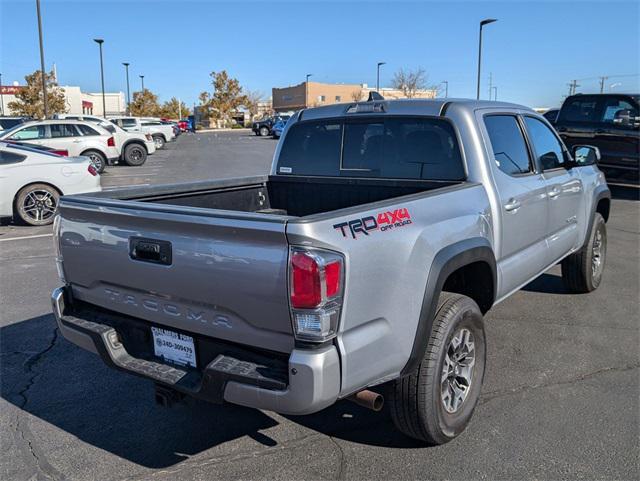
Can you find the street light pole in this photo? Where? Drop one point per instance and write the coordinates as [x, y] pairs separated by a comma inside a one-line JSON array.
[[446, 88], [126, 67], [1, 96], [495, 93], [484, 22], [100, 41], [378, 76], [306, 89], [142, 78], [44, 75]]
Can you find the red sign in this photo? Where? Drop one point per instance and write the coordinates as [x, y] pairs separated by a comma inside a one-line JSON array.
[[87, 105], [10, 89]]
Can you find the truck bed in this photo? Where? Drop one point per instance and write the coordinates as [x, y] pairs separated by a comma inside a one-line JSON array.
[[279, 195]]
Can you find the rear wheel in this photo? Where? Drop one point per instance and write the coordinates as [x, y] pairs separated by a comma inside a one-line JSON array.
[[97, 158], [36, 204], [582, 271], [264, 131], [159, 141], [135, 155], [435, 403]]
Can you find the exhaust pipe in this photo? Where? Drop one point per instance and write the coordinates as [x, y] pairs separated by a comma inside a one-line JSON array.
[[368, 399]]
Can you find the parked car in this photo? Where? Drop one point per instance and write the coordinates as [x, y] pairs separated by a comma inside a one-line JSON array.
[[78, 138], [160, 133], [7, 122], [277, 128], [263, 127], [385, 232], [551, 115], [32, 181], [134, 146], [610, 122]]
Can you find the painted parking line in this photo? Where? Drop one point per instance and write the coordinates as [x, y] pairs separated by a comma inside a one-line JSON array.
[[25, 237]]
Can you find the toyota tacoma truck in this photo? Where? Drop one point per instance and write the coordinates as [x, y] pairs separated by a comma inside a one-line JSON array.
[[360, 268]]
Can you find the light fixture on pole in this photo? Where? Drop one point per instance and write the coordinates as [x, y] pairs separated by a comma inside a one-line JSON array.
[[484, 22], [44, 75], [378, 76], [100, 41], [126, 67]]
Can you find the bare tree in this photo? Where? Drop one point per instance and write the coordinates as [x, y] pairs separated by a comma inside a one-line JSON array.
[[254, 99], [356, 95], [410, 81]]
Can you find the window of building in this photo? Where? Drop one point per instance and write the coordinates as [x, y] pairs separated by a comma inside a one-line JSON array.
[[338, 98], [321, 98], [509, 148], [547, 147]]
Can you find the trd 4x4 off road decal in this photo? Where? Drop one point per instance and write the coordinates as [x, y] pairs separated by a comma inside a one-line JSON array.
[[383, 221]]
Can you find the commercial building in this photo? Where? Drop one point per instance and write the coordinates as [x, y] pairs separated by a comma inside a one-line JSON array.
[[76, 101], [314, 94]]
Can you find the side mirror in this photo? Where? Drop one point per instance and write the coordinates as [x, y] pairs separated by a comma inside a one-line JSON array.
[[624, 117], [585, 155]]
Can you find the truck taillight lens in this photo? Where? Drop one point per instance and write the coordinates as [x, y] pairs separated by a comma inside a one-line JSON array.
[[316, 287], [148, 137], [62, 152], [92, 170], [56, 248], [111, 142]]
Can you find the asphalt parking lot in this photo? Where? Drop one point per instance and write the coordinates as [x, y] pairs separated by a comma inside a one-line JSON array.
[[560, 398]]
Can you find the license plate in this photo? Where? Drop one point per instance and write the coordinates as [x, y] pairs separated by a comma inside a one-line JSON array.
[[174, 347]]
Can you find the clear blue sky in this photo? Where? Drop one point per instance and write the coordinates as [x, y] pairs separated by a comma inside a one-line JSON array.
[[533, 51]]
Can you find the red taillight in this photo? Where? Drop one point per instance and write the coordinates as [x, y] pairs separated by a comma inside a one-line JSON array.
[[92, 170], [111, 142], [316, 288], [305, 281], [64, 153]]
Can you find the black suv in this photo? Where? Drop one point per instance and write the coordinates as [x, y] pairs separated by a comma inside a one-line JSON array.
[[610, 122], [263, 127]]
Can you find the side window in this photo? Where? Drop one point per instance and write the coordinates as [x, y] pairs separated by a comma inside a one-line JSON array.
[[128, 123], [86, 130], [63, 130], [580, 109], [546, 145], [33, 132], [508, 144], [7, 158], [614, 107]]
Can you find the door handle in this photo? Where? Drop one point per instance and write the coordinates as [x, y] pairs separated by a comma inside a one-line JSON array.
[[562, 129], [554, 193], [512, 205]]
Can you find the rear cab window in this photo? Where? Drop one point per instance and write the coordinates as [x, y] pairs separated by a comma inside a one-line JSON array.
[[376, 147]]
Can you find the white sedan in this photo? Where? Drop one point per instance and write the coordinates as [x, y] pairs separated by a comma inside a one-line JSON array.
[[32, 181]]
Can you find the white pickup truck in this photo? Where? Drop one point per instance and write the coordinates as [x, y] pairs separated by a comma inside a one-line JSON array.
[[161, 133], [360, 267]]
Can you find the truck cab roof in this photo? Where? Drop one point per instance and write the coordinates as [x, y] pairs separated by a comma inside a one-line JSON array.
[[434, 107]]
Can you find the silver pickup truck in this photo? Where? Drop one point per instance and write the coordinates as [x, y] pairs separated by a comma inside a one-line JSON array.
[[366, 259]]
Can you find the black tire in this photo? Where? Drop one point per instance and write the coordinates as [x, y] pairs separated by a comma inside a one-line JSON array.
[[159, 141], [135, 155], [36, 204], [582, 270], [98, 159], [416, 401], [264, 131]]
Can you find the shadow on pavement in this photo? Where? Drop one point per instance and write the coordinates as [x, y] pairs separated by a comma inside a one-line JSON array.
[[625, 193], [50, 378], [547, 284]]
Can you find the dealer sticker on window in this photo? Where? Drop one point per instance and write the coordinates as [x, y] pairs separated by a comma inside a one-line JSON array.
[[174, 347]]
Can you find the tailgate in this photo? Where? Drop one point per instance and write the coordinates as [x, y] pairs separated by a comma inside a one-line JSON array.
[[217, 273]]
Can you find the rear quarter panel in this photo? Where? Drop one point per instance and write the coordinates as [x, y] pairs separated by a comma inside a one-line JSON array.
[[386, 273]]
